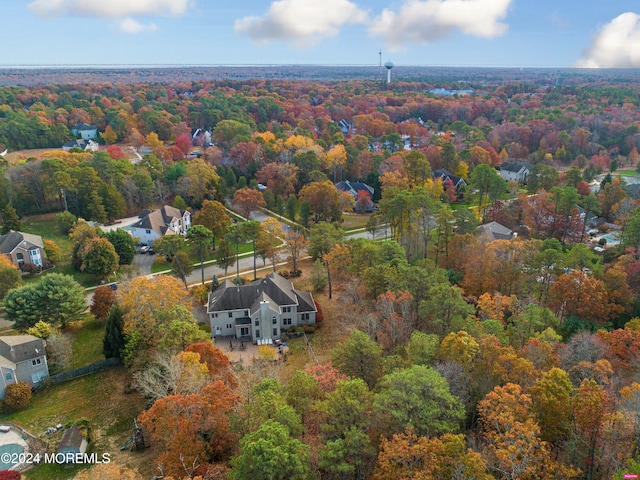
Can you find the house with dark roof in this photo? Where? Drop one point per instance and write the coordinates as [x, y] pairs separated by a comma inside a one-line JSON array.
[[156, 224], [22, 359], [515, 171], [85, 131], [445, 176], [259, 310], [494, 231], [354, 187], [72, 443], [22, 248]]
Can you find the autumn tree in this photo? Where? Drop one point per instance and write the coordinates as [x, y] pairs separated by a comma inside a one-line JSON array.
[[407, 455], [103, 299], [577, 294], [325, 200], [214, 216], [296, 243], [247, 201], [9, 276], [269, 239], [191, 429], [99, 257], [200, 237]]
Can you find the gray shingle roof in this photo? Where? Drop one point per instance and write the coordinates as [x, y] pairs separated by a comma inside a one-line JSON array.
[[496, 231], [515, 166], [158, 220], [275, 289], [18, 348], [9, 241]]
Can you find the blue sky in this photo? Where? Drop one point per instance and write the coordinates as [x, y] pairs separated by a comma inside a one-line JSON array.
[[483, 33]]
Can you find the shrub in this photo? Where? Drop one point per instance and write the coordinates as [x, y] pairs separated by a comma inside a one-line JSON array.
[[284, 273], [30, 269], [238, 281], [103, 299], [201, 294], [41, 330], [10, 475], [52, 251], [66, 222], [18, 396]]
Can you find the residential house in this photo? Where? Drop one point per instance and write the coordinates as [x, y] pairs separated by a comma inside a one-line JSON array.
[[445, 176], [22, 359], [72, 443], [82, 144], [22, 248], [259, 310], [515, 171], [354, 187], [84, 131], [494, 231], [156, 224]]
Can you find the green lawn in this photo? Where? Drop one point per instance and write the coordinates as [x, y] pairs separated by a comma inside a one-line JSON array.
[[161, 264], [87, 342], [629, 173], [354, 221], [47, 227]]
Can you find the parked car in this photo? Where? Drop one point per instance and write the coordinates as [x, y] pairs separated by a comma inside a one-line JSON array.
[[144, 249], [151, 251]]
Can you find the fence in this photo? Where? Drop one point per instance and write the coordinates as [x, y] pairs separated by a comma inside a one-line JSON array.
[[86, 370]]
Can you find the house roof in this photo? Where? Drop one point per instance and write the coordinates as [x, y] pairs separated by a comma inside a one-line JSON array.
[[274, 289], [9, 241], [515, 166], [18, 348], [83, 126], [72, 437], [445, 175], [633, 190], [160, 219], [353, 187], [496, 231]]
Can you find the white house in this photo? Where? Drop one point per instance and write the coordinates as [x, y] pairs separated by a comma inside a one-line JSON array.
[[158, 223], [82, 144], [22, 359], [516, 171], [259, 310], [84, 131]]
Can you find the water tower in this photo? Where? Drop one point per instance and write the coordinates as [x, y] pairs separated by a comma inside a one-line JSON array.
[[388, 66]]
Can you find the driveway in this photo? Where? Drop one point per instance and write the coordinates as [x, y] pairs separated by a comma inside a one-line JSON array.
[[143, 262]]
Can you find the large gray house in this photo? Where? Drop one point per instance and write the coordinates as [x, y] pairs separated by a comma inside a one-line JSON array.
[[158, 223], [259, 310], [22, 359]]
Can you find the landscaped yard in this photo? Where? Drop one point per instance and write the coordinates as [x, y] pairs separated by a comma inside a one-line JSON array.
[[47, 227], [629, 173], [87, 342], [355, 220]]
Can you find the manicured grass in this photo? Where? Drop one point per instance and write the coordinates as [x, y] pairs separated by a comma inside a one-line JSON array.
[[353, 221], [87, 342], [47, 227], [629, 173], [161, 264]]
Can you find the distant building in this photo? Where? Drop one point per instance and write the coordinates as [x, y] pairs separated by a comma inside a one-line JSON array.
[[158, 223], [259, 310], [22, 359], [445, 176], [354, 187], [449, 93], [22, 248], [494, 231], [84, 131], [515, 171], [86, 145]]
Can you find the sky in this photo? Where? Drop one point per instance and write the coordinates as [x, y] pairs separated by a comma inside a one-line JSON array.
[[461, 33]]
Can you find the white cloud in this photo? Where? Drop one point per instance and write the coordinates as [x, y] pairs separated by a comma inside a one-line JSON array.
[[108, 8], [305, 22], [422, 21], [129, 25], [617, 44]]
